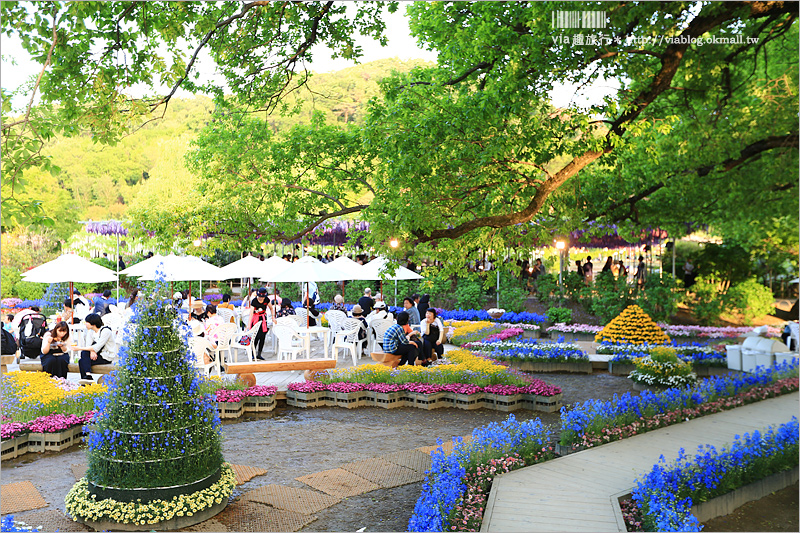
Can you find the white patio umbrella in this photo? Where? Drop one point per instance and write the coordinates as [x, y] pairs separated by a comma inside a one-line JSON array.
[[355, 270], [69, 268], [306, 269], [252, 267], [143, 267], [377, 268], [181, 268]]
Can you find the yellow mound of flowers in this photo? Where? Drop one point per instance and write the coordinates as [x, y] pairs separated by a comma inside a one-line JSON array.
[[40, 387], [633, 326]]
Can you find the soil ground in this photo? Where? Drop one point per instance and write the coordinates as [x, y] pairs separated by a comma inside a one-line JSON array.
[[776, 512], [292, 442]]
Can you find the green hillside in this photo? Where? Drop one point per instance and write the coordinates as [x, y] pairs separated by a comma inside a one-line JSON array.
[[100, 182]]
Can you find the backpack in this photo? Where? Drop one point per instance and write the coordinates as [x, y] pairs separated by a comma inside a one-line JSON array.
[[31, 330], [9, 343]]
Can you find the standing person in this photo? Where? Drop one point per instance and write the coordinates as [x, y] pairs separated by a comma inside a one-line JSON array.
[[55, 361], [609, 264], [413, 314], [588, 274], [366, 302], [424, 304], [103, 344], [433, 333], [622, 272], [260, 306], [641, 272], [688, 273], [395, 341], [579, 266], [121, 263]]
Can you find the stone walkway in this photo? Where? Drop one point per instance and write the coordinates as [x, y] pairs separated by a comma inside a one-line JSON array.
[[575, 492]]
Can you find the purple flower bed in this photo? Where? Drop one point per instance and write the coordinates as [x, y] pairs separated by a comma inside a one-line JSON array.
[[45, 424], [503, 335]]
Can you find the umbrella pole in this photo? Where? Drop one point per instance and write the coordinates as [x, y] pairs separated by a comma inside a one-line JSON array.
[[395, 293], [117, 295], [72, 300], [308, 297]]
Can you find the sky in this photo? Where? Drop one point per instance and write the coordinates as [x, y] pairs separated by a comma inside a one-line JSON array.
[[401, 45]]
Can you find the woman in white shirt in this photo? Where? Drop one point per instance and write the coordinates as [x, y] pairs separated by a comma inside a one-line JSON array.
[[212, 324], [432, 333], [103, 345]]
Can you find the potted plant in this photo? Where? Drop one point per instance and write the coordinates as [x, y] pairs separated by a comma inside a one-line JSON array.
[[661, 369]]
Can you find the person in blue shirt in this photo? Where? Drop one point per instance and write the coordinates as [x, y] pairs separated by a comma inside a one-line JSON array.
[[101, 303], [411, 309], [395, 341]]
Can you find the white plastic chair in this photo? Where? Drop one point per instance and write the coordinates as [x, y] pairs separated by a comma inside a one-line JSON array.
[[287, 345], [377, 330], [200, 346], [336, 321], [249, 349], [347, 339], [225, 335], [225, 314]]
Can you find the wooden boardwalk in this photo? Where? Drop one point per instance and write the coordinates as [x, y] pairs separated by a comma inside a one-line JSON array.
[[575, 492]]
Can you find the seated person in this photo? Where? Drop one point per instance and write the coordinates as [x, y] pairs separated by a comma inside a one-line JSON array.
[[103, 343], [397, 342], [414, 338], [338, 304], [286, 308], [226, 304], [433, 333], [379, 313], [55, 360], [413, 314], [67, 315], [359, 315], [198, 311], [212, 324]]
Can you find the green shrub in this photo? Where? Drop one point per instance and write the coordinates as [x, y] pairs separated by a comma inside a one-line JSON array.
[[660, 298], [470, 293], [438, 285], [224, 288], [9, 277], [547, 287], [610, 298], [354, 289], [290, 290], [26, 290], [709, 302], [573, 285], [513, 299], [751, 298], [559, 315]]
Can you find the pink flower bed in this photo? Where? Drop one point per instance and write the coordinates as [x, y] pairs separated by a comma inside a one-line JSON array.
[[225, 395], [261, 390], [503, 335], [536, 387], [45, 424]]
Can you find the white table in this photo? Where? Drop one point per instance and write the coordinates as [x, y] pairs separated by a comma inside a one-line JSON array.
[[306, 333]]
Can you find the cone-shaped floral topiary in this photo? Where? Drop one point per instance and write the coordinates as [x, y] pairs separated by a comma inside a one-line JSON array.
[[155, 449], [633, 326]]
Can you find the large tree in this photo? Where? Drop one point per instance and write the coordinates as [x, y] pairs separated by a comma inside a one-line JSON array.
[[470, 154], [94, 54]]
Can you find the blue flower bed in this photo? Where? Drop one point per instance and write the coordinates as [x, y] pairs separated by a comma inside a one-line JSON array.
[[697, 353], [444, 487], [667, 493], [481, 314], [531, 350], [588, 417]]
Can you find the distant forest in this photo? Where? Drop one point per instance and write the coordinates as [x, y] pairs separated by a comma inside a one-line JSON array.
[[100, 182]]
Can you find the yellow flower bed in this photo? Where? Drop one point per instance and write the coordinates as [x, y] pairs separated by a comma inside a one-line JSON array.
[[33, 387], [464, 329], [79, 503], [467, 368], [633, 326]]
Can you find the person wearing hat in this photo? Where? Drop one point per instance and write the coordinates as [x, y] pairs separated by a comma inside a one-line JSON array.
[[260, 306], [198, 311], [358, 314], [366, 302], [379, 313]]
